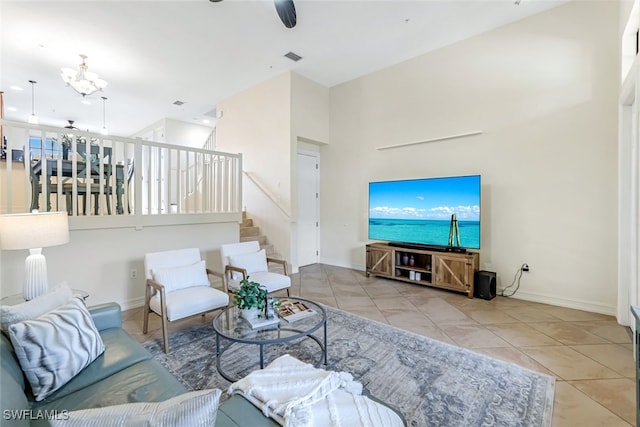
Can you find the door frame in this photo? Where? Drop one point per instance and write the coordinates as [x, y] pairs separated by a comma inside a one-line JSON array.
[[316, 155]]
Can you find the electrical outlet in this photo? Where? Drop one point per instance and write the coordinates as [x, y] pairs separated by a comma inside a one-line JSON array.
[[133, 274], [525, 267]]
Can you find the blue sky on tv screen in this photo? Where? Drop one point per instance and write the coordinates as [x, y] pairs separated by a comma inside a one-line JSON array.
[[426, 199]]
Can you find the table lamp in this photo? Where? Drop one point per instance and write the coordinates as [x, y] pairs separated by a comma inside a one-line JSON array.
[[34, 231]]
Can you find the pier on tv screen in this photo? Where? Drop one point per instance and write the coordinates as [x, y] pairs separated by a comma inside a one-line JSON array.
[[419, 211]]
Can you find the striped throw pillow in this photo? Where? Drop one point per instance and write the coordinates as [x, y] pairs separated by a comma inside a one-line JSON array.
[[194, 409], [55, 347]]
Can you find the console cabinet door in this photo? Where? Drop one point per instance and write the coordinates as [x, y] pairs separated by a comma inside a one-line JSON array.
[[379, 261], [453, 272]]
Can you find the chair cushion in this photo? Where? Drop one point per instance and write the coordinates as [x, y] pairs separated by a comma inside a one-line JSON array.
[[186, 276], [56, 346], [252, 262], [272, 281], [190, 301], [10, 314], [196, 408]]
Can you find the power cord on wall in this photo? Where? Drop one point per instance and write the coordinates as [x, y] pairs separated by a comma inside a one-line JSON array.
[[516, 282]]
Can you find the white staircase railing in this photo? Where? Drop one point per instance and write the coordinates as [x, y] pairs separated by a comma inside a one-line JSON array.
[[100, 175], [210, 143]]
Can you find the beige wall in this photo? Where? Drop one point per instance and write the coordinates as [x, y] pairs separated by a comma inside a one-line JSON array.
[[544, 93], [265, 124], [309, 109], [257, 123], [176, 132], [186, 134]]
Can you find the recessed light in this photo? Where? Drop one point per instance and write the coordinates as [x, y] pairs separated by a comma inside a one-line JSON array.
[[14, 87], [12, 109], [206, 121], [86, 102]]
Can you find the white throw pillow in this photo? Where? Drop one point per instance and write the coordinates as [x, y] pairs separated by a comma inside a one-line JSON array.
[[253, 262], [185, 276], [194, 409], [10, 314], [55, 347]]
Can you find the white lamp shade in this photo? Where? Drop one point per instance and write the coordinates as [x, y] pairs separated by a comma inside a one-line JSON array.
[[33, 230]]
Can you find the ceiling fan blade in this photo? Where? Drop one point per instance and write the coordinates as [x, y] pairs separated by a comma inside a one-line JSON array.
[[287, 12], [70, 125]]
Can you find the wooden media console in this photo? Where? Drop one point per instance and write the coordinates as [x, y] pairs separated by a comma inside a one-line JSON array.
[[447, 270]]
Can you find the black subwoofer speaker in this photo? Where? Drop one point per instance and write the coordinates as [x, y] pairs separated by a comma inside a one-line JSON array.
[[485, 285]]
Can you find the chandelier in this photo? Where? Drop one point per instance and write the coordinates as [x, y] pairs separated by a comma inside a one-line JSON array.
[[83, 81]]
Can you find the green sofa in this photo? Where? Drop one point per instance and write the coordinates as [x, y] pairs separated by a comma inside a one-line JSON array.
[[124, 373]]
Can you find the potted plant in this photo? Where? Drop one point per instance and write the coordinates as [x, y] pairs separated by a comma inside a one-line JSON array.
[[251, 299]]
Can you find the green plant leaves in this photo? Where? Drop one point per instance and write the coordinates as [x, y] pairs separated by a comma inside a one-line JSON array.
[[251, 294]]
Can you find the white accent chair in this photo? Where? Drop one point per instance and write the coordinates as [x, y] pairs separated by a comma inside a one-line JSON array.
[[178, 286], [246, 259]]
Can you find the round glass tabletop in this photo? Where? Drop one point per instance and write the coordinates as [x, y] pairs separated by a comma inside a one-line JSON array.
[[230, 325]]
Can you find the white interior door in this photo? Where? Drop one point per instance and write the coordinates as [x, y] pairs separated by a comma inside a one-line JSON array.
[[628, 204], [308, 218]]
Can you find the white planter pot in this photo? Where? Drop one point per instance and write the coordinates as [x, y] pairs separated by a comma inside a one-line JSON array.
[[250, 313]]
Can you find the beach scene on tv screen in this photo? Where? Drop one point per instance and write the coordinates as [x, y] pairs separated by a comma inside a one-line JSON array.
[[419, 211]]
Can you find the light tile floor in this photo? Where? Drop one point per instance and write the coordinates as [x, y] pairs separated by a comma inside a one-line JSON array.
[[589, 354]]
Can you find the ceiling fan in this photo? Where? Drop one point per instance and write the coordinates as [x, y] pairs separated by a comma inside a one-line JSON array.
[[70, 125], [286, 11]]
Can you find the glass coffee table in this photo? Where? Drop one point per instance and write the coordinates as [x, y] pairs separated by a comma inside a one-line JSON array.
[[229, 326]]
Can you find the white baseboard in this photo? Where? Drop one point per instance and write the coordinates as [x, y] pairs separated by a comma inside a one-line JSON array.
[[132, 303], [337, 263], [575, 303]]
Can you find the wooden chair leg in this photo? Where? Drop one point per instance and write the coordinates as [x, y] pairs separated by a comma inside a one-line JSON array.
[[145, 322], [165, 327], [165, 333], [288, 294]]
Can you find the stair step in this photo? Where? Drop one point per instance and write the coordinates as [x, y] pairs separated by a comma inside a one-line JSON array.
[[247, 222], [249, 231], [261, 239], [268, 248]]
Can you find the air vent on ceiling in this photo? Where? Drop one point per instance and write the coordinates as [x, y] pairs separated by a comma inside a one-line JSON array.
[[178, 103], [293, 56]]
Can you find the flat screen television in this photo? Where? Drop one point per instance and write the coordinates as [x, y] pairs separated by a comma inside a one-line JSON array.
[[419, 211]]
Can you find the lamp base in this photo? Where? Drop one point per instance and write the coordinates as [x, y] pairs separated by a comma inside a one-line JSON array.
[[36, 282]]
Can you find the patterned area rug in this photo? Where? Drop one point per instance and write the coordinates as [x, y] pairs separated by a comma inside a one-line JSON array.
[[430, 382]]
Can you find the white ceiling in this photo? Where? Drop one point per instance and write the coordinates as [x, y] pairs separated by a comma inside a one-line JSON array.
[[153, 53]]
